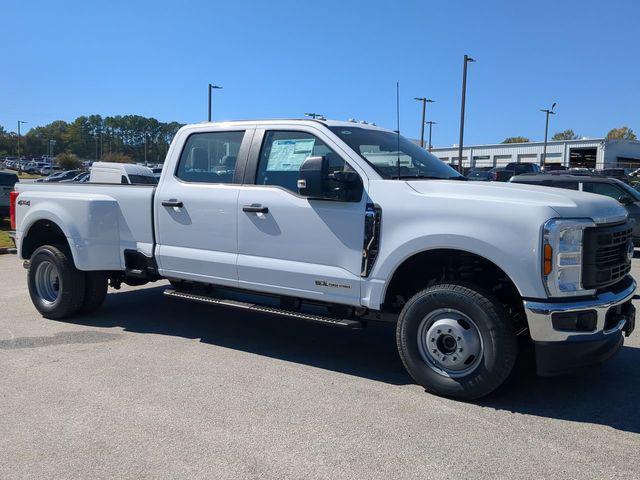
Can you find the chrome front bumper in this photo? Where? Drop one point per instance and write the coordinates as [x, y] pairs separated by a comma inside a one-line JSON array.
[[539, 315]]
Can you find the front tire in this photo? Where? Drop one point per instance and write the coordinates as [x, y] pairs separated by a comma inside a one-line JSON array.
[[456, 341], [56, 286]]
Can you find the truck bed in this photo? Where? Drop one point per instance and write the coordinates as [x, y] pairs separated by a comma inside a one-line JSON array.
[[100, 221]]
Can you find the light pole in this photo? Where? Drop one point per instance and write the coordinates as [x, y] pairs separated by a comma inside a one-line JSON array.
[[52, 144], [467, 59], [546, 132], [19, 122], [212, 87], [424, 101], [431, 124]]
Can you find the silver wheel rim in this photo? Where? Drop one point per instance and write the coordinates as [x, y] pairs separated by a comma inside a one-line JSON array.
[[47, 282], [450, 342]]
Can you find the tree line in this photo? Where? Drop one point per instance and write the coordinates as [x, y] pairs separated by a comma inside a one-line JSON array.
[[95, 137], [621, 133]]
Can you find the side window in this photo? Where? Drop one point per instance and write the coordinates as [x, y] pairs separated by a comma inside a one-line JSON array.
[[210, 157], [283, 153], [603, 189]]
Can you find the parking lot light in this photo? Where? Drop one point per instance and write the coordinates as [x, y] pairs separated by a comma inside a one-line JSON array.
[[424, 101], [431, 124], [467, 59], [548, 112], [212, 87], [19, 122]]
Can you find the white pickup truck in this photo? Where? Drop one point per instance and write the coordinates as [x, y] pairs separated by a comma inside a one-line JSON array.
[[343, 224]]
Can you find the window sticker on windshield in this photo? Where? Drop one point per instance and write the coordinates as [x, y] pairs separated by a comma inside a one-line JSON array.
[[288, 155]]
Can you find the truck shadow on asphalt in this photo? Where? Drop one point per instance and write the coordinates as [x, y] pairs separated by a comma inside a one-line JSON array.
[[608, 394]]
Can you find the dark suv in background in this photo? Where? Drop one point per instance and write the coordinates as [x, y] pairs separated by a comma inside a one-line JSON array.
[[503, 174], [610, 187]]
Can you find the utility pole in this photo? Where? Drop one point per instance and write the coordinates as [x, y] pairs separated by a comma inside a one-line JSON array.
[[145, 149], [467, 59], [548, 112], [19, 122], [424, 101], [211, 87], [431, 124]]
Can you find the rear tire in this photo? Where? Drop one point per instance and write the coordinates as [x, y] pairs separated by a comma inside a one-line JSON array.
[[95, 291], [56, 286], [456, 341]]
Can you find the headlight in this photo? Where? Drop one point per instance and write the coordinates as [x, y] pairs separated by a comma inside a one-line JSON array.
[[562, 256]]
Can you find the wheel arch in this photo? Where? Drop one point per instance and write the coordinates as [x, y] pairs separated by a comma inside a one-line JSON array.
[[43, 231], [430, 266]]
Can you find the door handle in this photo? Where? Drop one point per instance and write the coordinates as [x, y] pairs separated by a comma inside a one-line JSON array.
[[255, 209], [172, 203]]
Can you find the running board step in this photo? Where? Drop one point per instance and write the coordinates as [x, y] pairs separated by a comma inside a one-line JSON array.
[[309, 317]]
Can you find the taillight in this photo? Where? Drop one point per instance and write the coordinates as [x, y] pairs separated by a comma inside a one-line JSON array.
[[13, 198]]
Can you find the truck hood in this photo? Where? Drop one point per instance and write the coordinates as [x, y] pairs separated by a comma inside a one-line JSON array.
[[566, 203]]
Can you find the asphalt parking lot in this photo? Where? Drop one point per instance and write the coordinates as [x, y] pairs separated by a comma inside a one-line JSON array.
[[151, 387]]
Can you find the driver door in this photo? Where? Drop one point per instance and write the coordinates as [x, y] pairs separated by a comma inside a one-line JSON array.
[[289, 244]]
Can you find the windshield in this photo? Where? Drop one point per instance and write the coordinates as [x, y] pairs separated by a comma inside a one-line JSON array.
[[380, 149]]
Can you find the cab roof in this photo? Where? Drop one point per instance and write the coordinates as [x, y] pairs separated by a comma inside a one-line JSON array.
[[301, 121]]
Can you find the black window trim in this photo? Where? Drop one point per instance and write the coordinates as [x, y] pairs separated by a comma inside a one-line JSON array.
[[241, 160]]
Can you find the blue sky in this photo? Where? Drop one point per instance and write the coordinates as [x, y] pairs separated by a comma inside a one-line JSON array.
[[340, 58]]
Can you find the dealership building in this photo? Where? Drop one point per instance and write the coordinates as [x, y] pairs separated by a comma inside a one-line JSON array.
[[591, 153]]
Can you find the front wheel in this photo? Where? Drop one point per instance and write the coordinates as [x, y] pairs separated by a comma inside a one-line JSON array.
[[56, 286], [456, 341]]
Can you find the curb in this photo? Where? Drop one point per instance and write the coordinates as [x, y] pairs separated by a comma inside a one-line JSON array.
[[7, 250]]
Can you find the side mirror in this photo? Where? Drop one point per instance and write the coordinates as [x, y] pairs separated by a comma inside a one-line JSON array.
[[626, 200], [313, 172], [317, 181]]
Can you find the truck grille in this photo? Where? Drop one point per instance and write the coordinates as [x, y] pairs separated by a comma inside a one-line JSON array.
[[605, 258]]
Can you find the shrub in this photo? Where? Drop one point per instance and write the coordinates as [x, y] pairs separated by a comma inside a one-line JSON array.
[[68, 161]]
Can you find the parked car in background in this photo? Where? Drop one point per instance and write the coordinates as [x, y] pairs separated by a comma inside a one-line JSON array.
[[156, 172], [50, 169], [479, 175], [123, 173], [610, 187], [65, 175], [503, 174], [617, 173], [554, 167], [7, 182], [80, 178], [35, 167]]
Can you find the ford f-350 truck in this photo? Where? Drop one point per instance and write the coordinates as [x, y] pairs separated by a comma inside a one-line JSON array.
[[343, 224]]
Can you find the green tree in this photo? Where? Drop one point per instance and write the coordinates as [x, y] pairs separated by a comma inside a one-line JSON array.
[[622, 133], [516, 140], [94, 136], [117, 158], [68, 161], [566, 135]]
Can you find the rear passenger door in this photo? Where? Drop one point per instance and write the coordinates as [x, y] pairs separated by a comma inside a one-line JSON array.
[[289, 244], [196, 208]]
